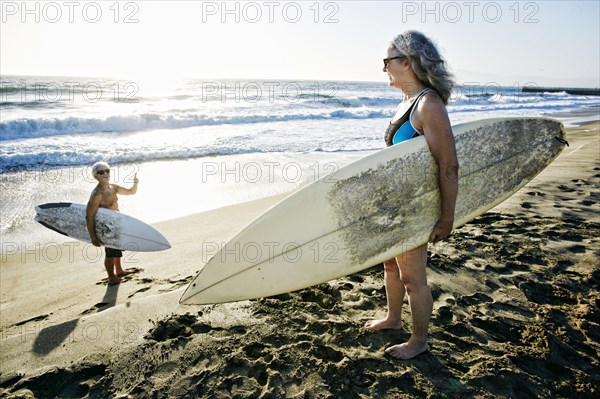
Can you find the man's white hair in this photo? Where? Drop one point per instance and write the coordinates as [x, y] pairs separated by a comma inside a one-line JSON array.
[[99, 166]]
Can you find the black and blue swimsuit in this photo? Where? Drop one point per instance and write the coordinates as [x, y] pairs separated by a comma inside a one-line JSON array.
[[402, 129]]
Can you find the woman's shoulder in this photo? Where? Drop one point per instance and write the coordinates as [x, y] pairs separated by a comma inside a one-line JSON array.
[[431, 102], [431, 95], [431, 108]]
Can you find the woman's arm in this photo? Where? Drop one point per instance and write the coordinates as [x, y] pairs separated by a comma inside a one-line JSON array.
[[435, 124]]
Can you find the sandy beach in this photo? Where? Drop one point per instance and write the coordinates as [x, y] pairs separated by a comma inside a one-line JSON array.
[[515, 313]]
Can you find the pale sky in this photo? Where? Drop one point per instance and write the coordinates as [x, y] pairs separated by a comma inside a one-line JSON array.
[[505, 42]]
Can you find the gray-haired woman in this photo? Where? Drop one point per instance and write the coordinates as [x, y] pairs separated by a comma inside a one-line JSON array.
[[414, 66]]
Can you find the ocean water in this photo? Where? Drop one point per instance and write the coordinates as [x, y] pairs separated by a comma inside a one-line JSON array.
[[202, 144]]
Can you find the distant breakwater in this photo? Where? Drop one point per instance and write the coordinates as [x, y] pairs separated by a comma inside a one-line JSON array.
[[568, 90]]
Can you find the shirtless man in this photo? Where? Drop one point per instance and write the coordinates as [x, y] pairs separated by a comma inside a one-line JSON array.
[[105, 196]]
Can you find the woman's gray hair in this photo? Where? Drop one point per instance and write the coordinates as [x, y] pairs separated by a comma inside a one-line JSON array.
[[426, 62]]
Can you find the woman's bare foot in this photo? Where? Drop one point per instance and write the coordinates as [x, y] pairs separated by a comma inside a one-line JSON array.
[[407, 350], [383, 324]]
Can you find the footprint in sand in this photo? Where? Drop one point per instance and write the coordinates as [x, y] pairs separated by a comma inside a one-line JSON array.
[[536, 194], [36, 318], [143, 289], [256, 350], [526, 205], [128, 273], [356, 278], [125, 276], [474, 299], [587, 202], [95, 309], [444, 315], [175, 283], [580, 182], [566, 189]]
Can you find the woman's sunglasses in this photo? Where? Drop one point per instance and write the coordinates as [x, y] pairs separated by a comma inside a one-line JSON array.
[[386, 61]]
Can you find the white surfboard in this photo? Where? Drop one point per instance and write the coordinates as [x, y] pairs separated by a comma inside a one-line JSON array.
[[372, 210], [115, 230]]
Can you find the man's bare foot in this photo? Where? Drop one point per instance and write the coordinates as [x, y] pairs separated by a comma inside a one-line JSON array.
[[382, 324], [405, 351], [114, 280], [127, 272]]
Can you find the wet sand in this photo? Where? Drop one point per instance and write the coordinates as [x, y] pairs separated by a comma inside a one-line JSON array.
[[516, 302]]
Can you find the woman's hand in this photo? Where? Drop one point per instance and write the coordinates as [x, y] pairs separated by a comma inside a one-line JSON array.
[[441, 230]]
